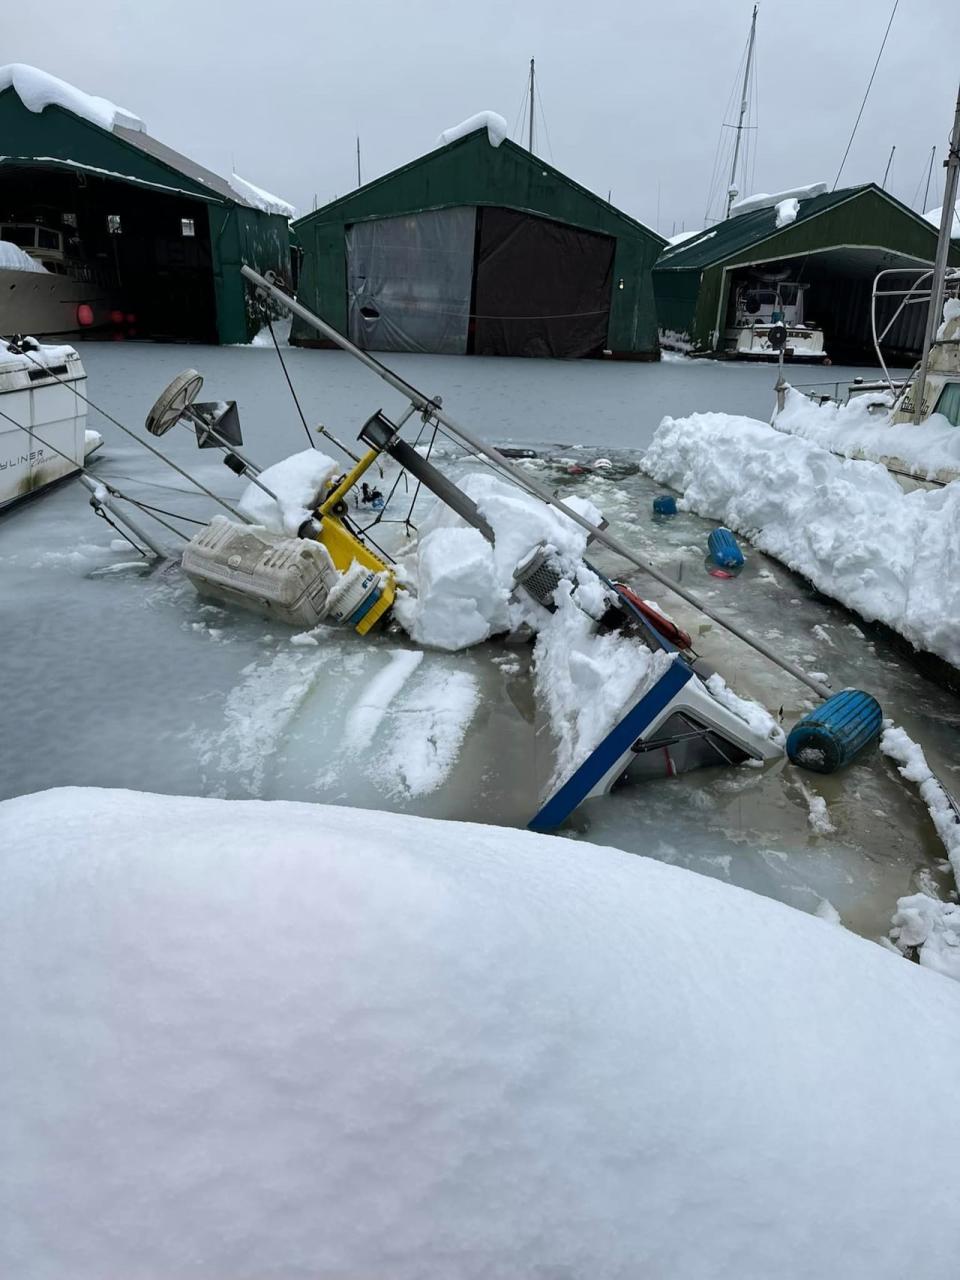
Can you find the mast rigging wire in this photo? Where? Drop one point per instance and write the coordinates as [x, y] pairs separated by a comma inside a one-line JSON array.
[[867, 94]]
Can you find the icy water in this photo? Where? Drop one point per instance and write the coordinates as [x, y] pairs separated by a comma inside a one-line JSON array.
[[115, 676]]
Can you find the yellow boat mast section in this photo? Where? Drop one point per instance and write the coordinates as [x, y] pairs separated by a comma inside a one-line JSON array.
[[346, 549]]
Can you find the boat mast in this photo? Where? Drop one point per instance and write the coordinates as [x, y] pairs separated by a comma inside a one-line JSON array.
[[358, 161], [731, 188], [886, 171], [926, 189], [530, 125], [938, 282]]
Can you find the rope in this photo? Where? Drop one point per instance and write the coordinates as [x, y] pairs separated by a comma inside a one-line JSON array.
[[866, 95], [283, 366]]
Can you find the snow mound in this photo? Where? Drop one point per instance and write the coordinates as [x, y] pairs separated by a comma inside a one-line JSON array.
[[786, 212], [933, 216], [845, 525], [37, 90], [261, 199], [13, 258], [255, 1039], [861, 428], [460, 585], [681, 236], [297, 481], [764, 200], [494, 124]]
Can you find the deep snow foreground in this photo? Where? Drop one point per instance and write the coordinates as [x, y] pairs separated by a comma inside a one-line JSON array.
[[845, 525], [250, 1039]]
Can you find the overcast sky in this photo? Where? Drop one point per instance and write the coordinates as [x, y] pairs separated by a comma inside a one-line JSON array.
[[633, 92]]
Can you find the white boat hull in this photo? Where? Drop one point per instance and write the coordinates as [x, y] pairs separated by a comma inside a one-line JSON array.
[[43, 436], [752, 342], [45, 304]]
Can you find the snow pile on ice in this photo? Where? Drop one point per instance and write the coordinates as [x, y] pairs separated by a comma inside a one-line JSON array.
[[763, 200], [921, 921], [261, 199], [460, 584], [248, 1039], [13, 258], [845, 525], [787, 211], [263, 337], [861, 428], [297, 481], [933, 216], [494, 124], [37, 89]]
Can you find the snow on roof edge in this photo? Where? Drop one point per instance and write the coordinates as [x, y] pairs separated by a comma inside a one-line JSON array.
[[494, 124], [766, 200], [38, 89], [263, 200]]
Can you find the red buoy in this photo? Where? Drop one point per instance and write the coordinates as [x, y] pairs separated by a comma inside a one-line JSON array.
[[84, 315]]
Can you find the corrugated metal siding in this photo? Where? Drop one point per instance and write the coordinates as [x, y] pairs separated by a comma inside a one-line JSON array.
[[472, 172]]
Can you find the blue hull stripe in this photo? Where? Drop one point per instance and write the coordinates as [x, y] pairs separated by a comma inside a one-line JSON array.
[[604, 756]]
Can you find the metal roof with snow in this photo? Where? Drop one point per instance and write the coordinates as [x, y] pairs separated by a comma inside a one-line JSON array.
[[47, 123], [850, 233]]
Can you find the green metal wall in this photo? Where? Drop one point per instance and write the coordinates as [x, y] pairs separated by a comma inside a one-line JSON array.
[[690, 300], [472, 172], [238, 234]]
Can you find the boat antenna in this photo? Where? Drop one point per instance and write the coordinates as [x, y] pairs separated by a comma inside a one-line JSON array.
[[744, 101], [926, 189], [937, 284], [856, 123], [530, 124], [886, 171]]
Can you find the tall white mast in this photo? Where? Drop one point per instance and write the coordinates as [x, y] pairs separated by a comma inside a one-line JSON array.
[[732, 192], [530, 133], [940, 265]]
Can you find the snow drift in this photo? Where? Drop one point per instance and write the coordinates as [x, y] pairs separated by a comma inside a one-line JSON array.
[[494, 124], [845, 525], [764, 200], [248, 1039], [38, 89]]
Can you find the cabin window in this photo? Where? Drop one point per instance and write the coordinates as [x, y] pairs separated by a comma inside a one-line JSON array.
[[68, 219], [187, 227], [113, 224], [48, 239], [949, 403]]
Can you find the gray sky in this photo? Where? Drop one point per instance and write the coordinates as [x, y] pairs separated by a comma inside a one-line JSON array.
[[633, 91]]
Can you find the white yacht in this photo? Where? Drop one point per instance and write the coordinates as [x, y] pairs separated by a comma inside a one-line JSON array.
[[760, 305]]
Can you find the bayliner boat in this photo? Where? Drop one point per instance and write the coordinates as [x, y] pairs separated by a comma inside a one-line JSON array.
[[43, 422]]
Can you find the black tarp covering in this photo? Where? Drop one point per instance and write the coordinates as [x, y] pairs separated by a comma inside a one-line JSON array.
[[542, 287]]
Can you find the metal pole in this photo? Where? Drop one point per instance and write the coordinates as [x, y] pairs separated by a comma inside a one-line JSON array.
[[133, 435], [940, 264], [926, 189], [358, 161], [886, 171], [432, 409], [100, 498], [731, 193], [530, 129]]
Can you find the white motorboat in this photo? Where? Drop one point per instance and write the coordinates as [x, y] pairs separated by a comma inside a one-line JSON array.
[[764, 306], [47, 286], [43, 423]]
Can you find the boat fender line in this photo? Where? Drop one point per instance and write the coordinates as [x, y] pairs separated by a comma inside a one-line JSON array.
[[834, 734]]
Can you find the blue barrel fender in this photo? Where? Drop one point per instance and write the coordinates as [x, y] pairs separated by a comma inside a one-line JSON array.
[[832, 735]]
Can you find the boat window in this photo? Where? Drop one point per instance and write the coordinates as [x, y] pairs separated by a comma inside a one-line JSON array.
[[24, 236], [113, 223], [186, 227], [68, 219], [949, 403], [48, 239]]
